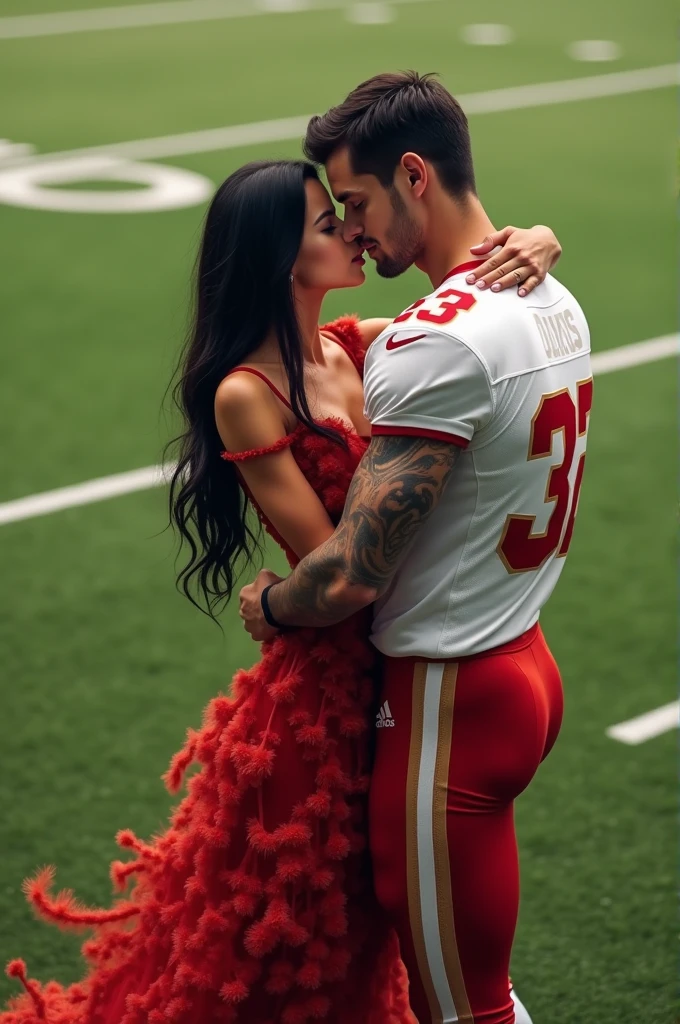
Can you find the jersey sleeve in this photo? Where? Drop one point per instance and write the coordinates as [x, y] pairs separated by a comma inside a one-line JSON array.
[[430, 384]]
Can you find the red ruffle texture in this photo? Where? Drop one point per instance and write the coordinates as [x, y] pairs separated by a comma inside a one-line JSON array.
[[255, 905]]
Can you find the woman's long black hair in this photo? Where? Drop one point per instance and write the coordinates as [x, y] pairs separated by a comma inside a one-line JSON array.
[[243, 291]]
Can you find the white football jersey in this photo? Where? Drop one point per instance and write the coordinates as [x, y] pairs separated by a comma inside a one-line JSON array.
[[509, 380]]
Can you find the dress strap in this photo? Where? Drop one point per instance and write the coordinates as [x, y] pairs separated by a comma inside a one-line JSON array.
[[257, 373], [345, 331], [278, 446]]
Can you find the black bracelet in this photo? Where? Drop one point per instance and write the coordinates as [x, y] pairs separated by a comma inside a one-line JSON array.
[[266, 610]]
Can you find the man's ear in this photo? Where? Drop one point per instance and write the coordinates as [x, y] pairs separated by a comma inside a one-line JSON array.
[[415, 172]]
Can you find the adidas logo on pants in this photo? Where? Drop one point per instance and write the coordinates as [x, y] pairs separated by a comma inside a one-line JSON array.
[[384, 720]]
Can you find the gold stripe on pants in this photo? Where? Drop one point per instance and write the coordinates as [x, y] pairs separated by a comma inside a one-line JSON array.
[[427, 850]]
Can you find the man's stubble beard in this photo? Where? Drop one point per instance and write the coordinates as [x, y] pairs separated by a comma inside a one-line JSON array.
[[405, 238]]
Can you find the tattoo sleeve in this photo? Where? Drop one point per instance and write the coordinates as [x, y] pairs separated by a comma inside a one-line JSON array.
[[395, 489]]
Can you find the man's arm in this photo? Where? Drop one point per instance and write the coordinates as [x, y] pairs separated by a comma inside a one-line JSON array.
[[396, 488]]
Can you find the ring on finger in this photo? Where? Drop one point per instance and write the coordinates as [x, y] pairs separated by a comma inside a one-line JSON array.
[[517, 276]]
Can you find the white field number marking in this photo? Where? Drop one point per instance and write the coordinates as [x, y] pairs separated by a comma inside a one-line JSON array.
[[163, 188]]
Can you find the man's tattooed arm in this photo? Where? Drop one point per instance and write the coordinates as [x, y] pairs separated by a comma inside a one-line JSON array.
[[395, 489]]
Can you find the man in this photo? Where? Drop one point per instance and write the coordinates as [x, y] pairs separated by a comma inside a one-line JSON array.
[[457, 524]]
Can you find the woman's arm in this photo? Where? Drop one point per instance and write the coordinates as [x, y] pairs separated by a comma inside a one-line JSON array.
[[248, 417], [370, 329], [528, 254]]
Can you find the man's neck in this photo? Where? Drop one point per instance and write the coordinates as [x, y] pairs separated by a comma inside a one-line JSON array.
[[455, 226]]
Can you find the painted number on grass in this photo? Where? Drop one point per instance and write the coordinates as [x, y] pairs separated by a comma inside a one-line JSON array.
[[161, 188], [521, 548]]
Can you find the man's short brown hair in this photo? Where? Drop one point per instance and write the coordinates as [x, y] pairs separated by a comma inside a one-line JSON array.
[[392, 114]]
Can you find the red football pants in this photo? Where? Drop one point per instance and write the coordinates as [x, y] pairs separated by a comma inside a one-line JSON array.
[[466, 739]]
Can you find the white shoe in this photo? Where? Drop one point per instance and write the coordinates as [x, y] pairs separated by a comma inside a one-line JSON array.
[[521, 1015]]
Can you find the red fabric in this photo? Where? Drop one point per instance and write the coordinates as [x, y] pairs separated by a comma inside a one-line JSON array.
[[506, 716], [255, 905], [345, 332], [250, 453], [436, 435]]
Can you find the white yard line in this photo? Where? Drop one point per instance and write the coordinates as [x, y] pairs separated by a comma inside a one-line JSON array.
[[85, 494], [176, 12], [153, 476], [285, 128], [592, 87], [639, 352], [648, 726]]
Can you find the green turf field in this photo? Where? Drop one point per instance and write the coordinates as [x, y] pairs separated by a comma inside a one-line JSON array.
[[104, 665]]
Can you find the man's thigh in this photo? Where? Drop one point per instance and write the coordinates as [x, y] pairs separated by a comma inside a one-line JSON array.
[[456, 742]]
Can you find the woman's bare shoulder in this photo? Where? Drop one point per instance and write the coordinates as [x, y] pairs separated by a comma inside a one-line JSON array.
[[247, 413], [370, 329]]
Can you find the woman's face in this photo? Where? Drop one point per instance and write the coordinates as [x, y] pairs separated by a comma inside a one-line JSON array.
[[325, 260]]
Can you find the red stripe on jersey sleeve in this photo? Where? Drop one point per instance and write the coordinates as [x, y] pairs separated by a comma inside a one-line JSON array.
[[437, 435]]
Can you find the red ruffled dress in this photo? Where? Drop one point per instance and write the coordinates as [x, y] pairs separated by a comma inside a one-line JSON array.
[[255, 906]]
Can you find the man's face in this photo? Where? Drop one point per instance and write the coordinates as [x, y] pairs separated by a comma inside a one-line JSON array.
[[378, 218]]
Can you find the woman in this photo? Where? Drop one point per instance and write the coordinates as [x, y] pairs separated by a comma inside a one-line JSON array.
[[255, 905]]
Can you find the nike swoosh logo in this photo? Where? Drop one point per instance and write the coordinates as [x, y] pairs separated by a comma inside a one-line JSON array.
[[392, 344]]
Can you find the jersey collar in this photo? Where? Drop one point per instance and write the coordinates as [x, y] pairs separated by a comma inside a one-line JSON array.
[[463, 267]]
